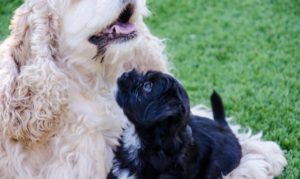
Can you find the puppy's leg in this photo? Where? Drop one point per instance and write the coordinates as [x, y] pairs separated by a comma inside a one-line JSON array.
[[111, 175], [213, 172]]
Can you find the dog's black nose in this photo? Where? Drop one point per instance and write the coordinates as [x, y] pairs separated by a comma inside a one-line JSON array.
[[128, 79], [125, 75], [130, 75], [124, 81]]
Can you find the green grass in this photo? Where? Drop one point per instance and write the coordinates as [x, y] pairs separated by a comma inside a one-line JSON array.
[[249, 51], [6, 9]]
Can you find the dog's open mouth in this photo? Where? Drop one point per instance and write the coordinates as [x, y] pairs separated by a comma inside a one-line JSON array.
[[119, 31]]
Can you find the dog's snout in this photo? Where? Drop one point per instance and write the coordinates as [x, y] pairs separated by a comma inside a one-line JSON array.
[[123, 81], [130, 74], [128, 79], [125, 75]]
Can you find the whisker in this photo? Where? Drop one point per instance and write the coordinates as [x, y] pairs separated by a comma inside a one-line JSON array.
[[100, 51]]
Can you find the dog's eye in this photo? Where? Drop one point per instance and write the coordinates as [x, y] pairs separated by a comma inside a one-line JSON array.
[[147, 87]]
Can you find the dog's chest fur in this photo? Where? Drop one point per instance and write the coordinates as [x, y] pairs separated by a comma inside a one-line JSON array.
[[92, 124]]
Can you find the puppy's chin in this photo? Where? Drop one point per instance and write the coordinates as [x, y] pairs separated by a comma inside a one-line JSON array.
[[120, 99]]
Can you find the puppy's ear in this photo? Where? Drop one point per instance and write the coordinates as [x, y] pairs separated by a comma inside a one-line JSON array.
[[183, 97], [163, 109], [169, 106], [166, 108]]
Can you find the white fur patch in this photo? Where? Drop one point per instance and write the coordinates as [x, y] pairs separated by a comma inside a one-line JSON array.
[[121, 173], [131, 142]]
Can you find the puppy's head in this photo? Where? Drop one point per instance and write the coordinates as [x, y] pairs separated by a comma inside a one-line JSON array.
[[152, 98]]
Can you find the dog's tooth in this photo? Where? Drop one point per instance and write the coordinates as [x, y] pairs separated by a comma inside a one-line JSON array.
[[116, 29]]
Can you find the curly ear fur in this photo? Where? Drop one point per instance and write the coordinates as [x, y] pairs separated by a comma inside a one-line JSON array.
[[33, 90]]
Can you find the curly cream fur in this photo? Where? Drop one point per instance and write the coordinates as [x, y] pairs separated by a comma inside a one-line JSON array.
[[33, 92], [58, 115]]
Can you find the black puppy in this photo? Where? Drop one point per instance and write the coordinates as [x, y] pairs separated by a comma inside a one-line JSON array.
[[164, 140]]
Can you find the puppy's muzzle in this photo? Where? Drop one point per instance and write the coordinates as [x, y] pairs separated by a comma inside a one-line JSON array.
[[128, 80], [124, 82]]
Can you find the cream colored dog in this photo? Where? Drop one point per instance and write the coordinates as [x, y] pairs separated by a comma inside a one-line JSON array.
[[58, 68]]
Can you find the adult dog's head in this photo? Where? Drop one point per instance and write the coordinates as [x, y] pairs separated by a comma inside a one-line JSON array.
[[153, 98], [75, 28], [93, 27], [52, 41]]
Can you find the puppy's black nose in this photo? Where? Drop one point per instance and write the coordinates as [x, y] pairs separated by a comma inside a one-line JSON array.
[[124, 81], [128, 80], [125, 75], [130, 75]]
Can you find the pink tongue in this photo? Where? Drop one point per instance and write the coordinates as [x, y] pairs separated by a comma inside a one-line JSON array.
[[121, 28]]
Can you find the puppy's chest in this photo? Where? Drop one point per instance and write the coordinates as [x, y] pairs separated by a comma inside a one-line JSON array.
[[153, 164], [149, 161]]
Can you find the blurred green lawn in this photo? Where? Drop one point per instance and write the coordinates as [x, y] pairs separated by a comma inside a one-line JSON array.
[[249, 51]]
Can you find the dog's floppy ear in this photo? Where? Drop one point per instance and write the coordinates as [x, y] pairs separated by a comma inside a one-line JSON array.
[[33, 35], [161, 110], [172, 105], [33, 89], [183, 97]]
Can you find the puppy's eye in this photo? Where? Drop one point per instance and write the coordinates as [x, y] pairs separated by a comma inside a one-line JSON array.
[[147, 87]]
